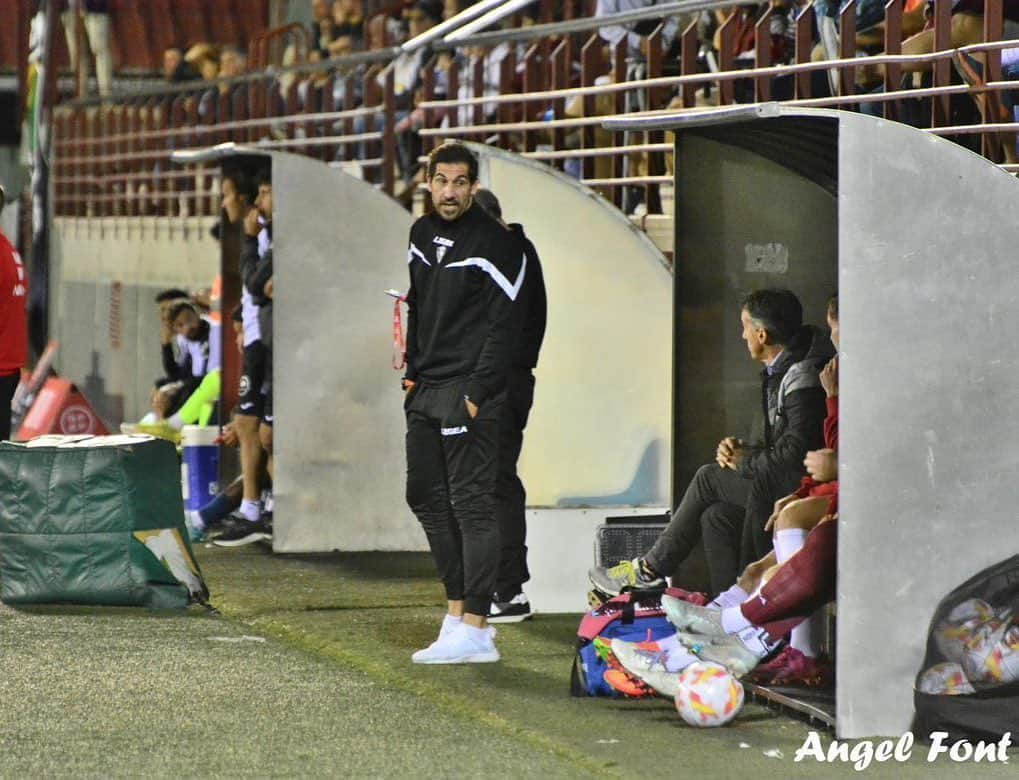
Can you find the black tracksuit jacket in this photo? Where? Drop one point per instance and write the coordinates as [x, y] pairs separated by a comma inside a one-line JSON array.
[[463, 319]]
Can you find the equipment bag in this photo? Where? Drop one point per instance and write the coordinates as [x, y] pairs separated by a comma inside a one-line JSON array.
[[969, 683], [95, 520], [632, 617]]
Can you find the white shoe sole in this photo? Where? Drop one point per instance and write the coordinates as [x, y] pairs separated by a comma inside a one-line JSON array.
[[510, 618], [258, 536], [471, 658]]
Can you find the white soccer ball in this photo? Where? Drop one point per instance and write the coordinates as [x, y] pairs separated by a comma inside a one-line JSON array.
[[946, 679], [708, 695], [962, 625], [993, 656]]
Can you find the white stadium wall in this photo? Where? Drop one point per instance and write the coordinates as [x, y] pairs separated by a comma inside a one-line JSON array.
[[106, 273], [599, 432]]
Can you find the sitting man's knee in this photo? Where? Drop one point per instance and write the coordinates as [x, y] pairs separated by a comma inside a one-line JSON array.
[[803, 513]]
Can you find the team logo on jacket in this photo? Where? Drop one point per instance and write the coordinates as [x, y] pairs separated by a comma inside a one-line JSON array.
[[442, 246]]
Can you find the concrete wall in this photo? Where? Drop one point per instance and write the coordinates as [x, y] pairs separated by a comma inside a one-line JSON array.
[[339, 244], [742, 223], [106, 273], [928, 451], [599, 431]]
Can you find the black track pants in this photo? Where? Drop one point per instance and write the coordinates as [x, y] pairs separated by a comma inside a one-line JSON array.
[[712, 509], [452, 465], [8, 384], [510, 496]]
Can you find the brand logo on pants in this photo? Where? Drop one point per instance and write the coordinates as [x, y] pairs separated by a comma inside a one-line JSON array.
[[455, 431]]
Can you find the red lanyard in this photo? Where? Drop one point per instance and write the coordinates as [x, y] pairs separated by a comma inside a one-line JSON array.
[[399, 346]]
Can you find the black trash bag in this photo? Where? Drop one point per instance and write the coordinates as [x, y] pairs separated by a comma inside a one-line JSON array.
[[969, 683]]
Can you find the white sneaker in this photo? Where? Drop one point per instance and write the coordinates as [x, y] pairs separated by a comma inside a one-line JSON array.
[[458, 646]]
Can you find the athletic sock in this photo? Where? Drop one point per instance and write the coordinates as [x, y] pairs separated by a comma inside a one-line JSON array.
[[788, 542], [217, 509], [676, 657], [733, 620], [449, 622], [806, 637], [729, 598], [250, 510]]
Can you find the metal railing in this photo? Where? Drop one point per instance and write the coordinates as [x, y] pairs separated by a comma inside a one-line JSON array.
[[542, 91]]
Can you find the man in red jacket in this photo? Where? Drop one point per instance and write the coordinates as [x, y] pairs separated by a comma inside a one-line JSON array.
[[13, 325]]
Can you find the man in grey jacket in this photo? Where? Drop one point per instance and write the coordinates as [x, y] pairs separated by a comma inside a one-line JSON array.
[[727, 504]]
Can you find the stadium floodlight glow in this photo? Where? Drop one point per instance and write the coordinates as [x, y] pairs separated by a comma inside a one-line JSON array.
[[490, 18], [466, 15]]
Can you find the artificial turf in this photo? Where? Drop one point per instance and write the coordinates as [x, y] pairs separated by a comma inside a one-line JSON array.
[[306, 672]]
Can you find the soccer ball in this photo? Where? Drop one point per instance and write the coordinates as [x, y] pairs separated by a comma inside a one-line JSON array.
[[964, 625], [947, 679], [993, 656], [708, 695]]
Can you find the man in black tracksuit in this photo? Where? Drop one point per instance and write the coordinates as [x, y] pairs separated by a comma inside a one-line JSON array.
[[509, 603], [466, 273]]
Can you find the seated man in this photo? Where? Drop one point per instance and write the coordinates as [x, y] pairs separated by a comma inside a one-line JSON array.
[[201, 340], [728, 503], [773, 596]]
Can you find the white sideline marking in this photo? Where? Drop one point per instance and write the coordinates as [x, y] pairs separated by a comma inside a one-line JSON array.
[[244, 638]]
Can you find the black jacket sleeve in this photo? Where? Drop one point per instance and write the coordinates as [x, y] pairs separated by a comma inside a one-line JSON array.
[[410, 346], [505, 281], [170, 366], [804, 411], [257, 277]]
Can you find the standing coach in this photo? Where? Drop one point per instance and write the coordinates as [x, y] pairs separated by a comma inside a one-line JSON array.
[[509, 603], [466, 273]]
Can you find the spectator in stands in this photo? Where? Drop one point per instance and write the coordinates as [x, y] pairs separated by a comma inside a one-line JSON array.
[[94, 16], [348, 27], [321, 28], [254, 417], [311, 90], [233, 62], [13, 324], [491, 76], [175, 68], [636, 67], [509, 603], [729, 502], [407, 69], [204, 58]]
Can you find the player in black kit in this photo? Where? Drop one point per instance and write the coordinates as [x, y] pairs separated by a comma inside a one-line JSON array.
[[466, 273]]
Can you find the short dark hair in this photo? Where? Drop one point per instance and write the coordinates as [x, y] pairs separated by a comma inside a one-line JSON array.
[[778, 311], [833, 307], [487, 200], [171, 294], [452, 152], [179, 308], [243, 184], [264, 176]]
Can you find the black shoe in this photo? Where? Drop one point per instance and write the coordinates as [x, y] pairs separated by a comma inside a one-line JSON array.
[[240, 531], [515, 610]]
